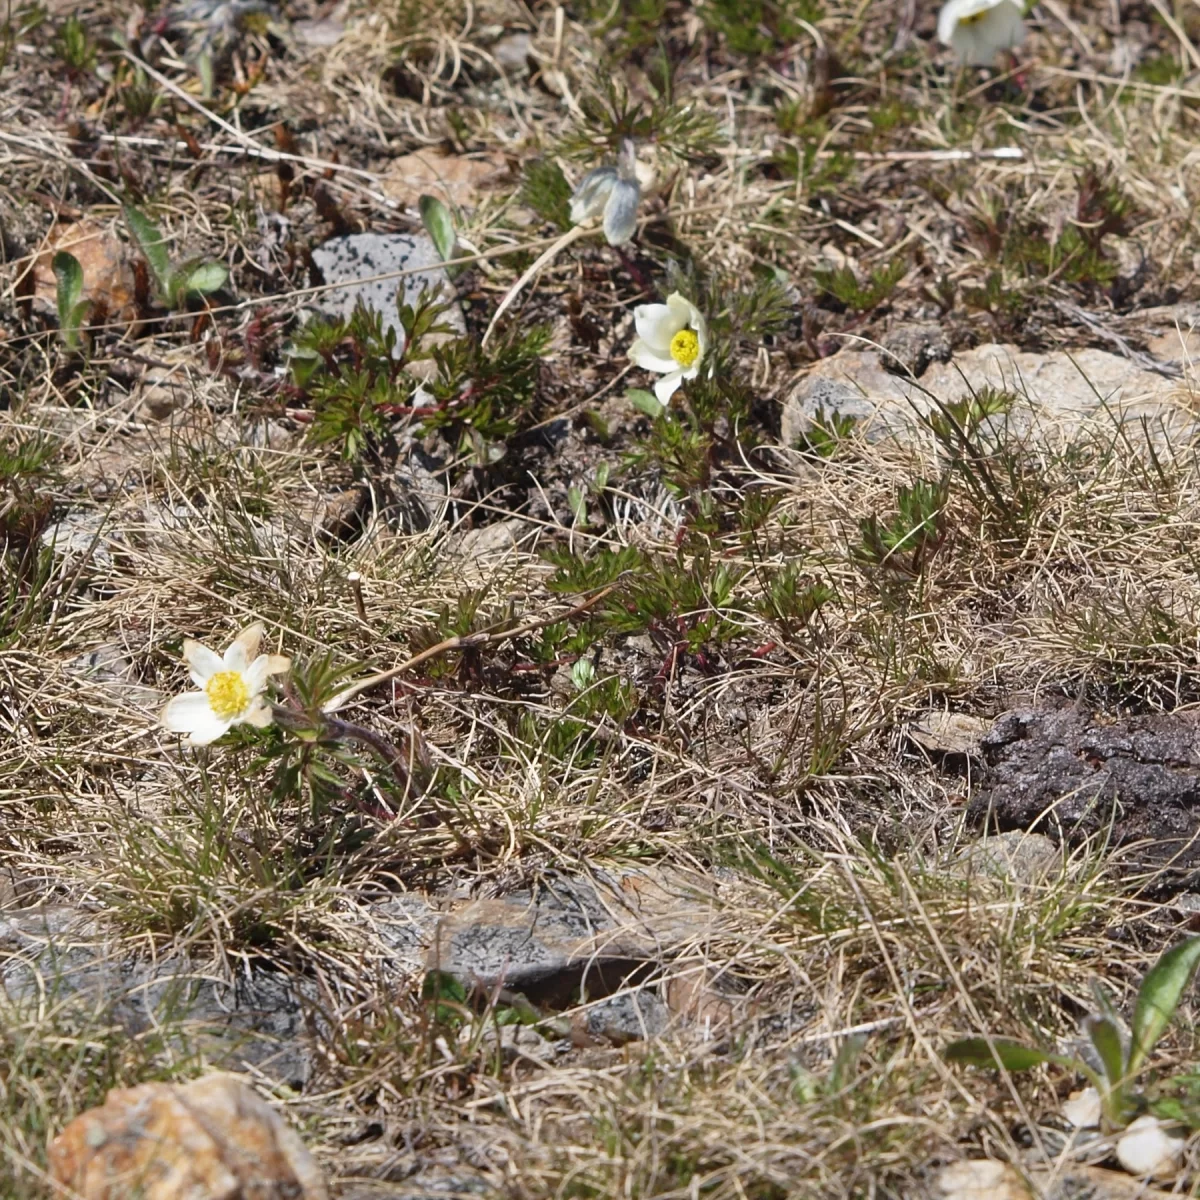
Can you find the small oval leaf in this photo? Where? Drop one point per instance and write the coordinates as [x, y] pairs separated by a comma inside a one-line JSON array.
[[1106, 1037], [439, 225], [150, 241], [977, 1052], [69, 275], [645, 402], [203, 278], [1159, 997]]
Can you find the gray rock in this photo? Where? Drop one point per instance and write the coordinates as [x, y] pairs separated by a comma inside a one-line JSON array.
[[512, 52], [62, 955], [81, 535], [911, 348], [635, 1016], [1056, 393], [570, 926], [984, 1179], [108, 667], [949, 734], [1020, 858], [355, 260]]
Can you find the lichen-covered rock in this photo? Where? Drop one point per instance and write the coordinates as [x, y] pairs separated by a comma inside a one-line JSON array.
[[1056, 393], [213, 1139], [355, 262]]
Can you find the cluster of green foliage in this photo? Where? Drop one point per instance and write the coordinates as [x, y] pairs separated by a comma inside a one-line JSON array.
[[609, 114], [843, 286], [26, 507], [1030, 249], [905, 540], [757, 27], [1122, 1056], [800, 158], [545, 189], [351, 375], [74, 48], [177, 282]]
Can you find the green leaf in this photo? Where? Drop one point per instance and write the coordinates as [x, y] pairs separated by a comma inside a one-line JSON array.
[[1013, 1056], [438, 224], [151, 243], [1159, 997], [199, 280], [441, 985], [1106, 1037], [645, 402], [847, 1059], [69, 275]]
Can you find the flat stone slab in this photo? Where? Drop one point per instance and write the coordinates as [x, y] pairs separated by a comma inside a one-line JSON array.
[[1069, 773], [1057, 393], [67, 960], [355, 261], [568, 925]]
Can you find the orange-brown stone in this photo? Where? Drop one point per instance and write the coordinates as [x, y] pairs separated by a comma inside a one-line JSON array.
[[214, 1139]]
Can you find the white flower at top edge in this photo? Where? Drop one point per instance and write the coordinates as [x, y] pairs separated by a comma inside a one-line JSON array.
[[232, 687], [1144, 1149], [613, 191], [672, 340], [978, 30]]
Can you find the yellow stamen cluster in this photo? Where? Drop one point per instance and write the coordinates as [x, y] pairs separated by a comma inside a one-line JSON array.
[[685, 348], [973, 18], [228, 695]]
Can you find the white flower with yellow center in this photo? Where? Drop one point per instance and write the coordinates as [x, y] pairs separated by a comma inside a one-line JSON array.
[[232, 687], [672, 340], [978, 30]]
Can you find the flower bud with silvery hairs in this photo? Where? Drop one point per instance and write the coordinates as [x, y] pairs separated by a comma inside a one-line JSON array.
[[613, 191]]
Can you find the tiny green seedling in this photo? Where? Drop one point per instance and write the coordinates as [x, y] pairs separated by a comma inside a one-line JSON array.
[[72, 308], [435, 216], [1121, 1058], [180, 283]]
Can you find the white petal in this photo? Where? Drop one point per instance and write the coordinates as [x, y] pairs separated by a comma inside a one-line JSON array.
[[207, 733], [656, 326], [971, 48], [258, 714], [1010, 25], [255, 675], [204, 663], [642, 356], [590, 196], [1145, 1149], [244, 647], [684, 312], [667, 386], [620, 213], [184, 713], [953, 11], [1082, 1109]]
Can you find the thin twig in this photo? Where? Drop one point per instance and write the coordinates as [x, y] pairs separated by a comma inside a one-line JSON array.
[[469, 641], [572, 235]]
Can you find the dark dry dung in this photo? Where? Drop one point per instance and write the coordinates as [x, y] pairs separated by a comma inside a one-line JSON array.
[[1071, 773]]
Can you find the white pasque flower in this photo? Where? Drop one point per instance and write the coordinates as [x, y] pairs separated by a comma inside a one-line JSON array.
[[672, 340], [613, 191], [979, 29], [1144, 1149], [232, 687]]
